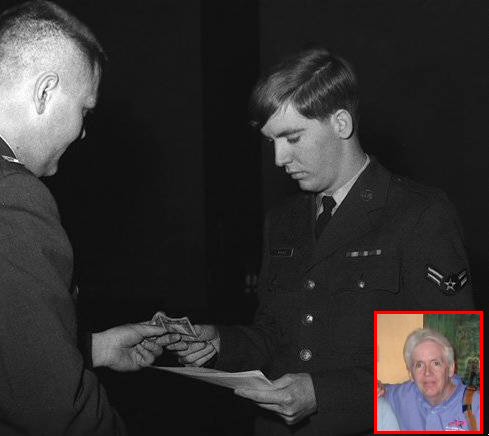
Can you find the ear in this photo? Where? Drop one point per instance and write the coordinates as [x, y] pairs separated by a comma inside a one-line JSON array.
[[451, 370], [342, 123], [45, 84]]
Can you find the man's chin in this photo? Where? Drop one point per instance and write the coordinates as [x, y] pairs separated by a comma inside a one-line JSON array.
[[306, 185]]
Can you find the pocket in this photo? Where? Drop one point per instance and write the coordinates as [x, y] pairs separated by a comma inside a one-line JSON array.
[[358, 291], [366, 276]]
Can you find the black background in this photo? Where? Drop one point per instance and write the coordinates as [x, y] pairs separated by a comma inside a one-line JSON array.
[[164, 199]]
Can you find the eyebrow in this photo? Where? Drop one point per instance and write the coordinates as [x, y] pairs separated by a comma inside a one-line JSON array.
[[288, 132]]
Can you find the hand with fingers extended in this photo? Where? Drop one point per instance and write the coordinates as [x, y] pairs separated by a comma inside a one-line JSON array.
[[130, 347], [293, 398], [195, 351]]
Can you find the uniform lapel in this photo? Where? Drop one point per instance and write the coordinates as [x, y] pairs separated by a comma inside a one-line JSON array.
[[296, 228], [354, 217], [5, 149]]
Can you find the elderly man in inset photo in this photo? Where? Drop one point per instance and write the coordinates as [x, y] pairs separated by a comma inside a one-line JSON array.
[[435, 399]]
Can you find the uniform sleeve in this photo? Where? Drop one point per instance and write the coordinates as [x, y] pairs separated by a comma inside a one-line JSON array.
[[435, 269], [246, 348], [44, 388]]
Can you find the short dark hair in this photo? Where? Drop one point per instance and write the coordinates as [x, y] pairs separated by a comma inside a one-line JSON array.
[[314, 81], [36, 20]]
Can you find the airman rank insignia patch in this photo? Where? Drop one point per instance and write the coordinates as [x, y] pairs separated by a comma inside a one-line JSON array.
[[449, 284]]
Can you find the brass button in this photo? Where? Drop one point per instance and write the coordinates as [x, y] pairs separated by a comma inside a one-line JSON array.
[[307, 319], [361, 284], [310, 284], [305, 354]]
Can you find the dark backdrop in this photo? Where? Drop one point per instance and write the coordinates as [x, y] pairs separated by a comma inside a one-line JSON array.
[[164, 200]]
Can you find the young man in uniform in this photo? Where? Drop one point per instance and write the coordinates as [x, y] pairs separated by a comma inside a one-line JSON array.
[[357, 239]]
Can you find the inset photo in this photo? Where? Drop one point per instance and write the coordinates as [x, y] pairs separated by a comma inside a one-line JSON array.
[[428, 374]]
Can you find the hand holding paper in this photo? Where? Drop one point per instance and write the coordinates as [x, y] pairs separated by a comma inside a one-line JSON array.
[[293, 397]]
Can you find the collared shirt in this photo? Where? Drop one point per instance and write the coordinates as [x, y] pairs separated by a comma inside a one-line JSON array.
[[340, 194], [415, 413]]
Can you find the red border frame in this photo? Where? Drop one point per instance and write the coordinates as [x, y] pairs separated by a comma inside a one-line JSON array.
[[429, 312]]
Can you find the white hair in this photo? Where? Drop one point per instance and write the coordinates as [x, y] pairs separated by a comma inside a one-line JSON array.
[[422, 335]]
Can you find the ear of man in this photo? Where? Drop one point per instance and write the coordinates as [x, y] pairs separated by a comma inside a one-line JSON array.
[[451, 370], [44, 88], [342, 123]]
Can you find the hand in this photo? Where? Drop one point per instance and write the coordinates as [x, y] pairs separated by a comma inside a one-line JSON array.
[[130, 347], [292, 399], [380, 389], [197, 351]]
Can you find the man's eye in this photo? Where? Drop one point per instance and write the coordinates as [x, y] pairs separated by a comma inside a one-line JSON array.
[[293, 139], [418, 365], [268, 140], [436, 363]]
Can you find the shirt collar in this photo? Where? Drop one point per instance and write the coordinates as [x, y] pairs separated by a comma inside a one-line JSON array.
[[340, 194]]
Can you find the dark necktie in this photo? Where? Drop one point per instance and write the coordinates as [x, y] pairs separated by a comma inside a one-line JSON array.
[[325, 216]]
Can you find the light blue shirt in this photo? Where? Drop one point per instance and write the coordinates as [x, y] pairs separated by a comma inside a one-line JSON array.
[[386, 420], [415, 413]]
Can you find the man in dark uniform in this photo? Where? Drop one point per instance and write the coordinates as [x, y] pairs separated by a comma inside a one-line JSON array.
[[50, 66], [358, 239]]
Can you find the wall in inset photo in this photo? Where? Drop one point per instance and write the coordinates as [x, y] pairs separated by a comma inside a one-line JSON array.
[[392, 331]]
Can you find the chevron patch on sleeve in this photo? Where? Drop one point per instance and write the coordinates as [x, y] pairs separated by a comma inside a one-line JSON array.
[[449, 284]]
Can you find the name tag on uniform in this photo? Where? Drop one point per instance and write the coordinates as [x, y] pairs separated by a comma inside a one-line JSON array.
[[364, 253], [281, 252]]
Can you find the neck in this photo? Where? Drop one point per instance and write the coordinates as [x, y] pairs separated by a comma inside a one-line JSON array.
[[445, 395], [353, 160]]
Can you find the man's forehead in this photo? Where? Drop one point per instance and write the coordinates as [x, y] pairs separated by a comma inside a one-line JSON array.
[[285, 118], [430, 348]]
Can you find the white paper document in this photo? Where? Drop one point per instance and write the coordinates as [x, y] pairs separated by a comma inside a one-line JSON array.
[[234, 380]]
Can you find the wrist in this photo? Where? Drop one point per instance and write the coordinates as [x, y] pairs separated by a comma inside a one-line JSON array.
[[98, 350], [216, 342]]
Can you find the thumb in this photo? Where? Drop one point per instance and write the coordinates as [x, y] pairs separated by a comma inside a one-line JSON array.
[[146, 330], [282, 382]]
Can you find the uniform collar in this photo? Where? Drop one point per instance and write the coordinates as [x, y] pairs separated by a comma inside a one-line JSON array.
[[6, 152], [340, 194]]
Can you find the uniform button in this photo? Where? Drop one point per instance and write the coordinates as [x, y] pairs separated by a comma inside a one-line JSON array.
[[310, 284], [307, 319], [361, 284], [305, 354]]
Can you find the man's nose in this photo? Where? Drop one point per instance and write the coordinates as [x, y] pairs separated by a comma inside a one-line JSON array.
[[427, 370], [282, 153]]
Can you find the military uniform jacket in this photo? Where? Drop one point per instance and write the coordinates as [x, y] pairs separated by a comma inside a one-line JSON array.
[[391, 245], [44, 388]]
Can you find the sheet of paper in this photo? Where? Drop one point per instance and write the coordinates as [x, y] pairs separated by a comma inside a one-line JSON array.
[[247, 379]]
